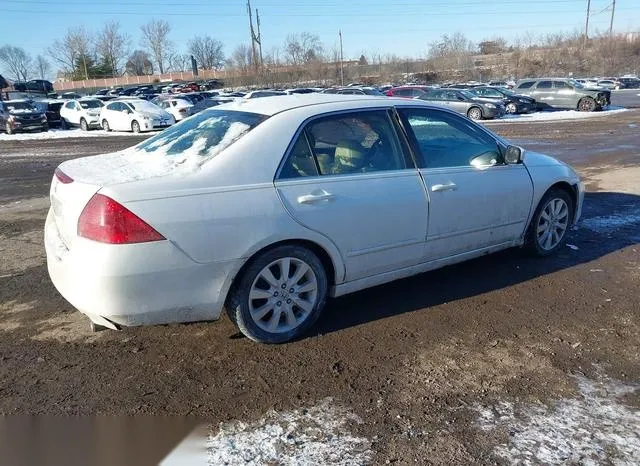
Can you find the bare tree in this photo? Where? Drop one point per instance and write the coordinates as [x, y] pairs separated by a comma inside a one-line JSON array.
[[41, 67], [139, 63], [73, 52], [179, 62], [112, 47], [17, 61], [241, 57], [303, 48], [155, 38], [207, 51]]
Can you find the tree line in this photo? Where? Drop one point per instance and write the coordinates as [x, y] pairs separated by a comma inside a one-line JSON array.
[[81, 54]]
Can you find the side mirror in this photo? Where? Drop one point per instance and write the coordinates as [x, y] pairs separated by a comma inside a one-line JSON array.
[[513, 155]]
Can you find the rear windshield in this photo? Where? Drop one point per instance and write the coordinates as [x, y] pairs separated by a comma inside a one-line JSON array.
[[20, 106], [90, 103], [203, 135]]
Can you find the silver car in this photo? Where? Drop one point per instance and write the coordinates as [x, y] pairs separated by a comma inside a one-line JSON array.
[[564, 93], [463, 101]]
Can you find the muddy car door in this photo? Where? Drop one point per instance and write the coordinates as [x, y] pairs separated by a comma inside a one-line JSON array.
[[565, 95]]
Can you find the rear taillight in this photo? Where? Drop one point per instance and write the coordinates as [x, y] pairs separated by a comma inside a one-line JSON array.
[[106, 221], [63, 177]]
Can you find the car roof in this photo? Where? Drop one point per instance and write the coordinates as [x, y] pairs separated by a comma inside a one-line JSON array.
[[324, 102]]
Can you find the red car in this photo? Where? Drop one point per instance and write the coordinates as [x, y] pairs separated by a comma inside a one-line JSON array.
[[408, 92], [189, 87]]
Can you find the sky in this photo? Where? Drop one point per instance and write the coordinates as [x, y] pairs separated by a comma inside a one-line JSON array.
[[403, 27]]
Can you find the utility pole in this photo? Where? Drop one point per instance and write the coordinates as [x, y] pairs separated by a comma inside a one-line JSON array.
[[341, 60], [613, 10], [259, 38], [254, 57], [586, 24]]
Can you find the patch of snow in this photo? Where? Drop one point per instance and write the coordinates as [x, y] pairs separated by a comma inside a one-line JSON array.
[[607, 223], [596, 428], [59, 134], [556, 115], [318, 435]]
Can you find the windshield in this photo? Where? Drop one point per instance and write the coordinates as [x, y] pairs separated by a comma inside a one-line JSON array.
[[575, 83], [144, 106], [202, 136], [468, 95], [90, 103], [20, 106], [506, 91]]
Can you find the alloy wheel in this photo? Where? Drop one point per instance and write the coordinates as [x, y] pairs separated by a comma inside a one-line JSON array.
[[283, 295], [511, 108], [552, 224]]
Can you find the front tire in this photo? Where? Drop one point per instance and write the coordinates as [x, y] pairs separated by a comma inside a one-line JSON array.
[[550, 223], [135, 126], [511, 108], [587, 104], [83, 125], [474, 113], [280, 295]]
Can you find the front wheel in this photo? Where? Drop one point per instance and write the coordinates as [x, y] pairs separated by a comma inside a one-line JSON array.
[[511, 108], [550, 223], [475, 113], [135, 126], [83, 125], [280, 295], [587, 104]]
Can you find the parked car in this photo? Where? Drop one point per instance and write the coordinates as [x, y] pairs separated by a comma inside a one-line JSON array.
[[51, 109], [463, 101], [101, 92], [610, 84], [35, 85], [263, 93], [83, 113], [188, 87], [179, 108], [69, 96], [21, 115], [563, 93], [134, 115], [409, 92], [513, 103], [115, 92], [353, 90], [300, 90], [128, 92], [503, 84], [630, 82], [268, 208]]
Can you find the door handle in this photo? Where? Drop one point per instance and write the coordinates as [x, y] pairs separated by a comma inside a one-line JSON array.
[[444, 187], [312, 198]]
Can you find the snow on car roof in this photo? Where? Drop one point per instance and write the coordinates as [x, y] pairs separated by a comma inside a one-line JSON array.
[[277, 104]]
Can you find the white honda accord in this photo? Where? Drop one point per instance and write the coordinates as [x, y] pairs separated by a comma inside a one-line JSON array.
[[267, 207]]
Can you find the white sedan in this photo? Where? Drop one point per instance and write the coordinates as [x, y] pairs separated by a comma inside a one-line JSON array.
[[267, 207], [179, 108], [134, 115]]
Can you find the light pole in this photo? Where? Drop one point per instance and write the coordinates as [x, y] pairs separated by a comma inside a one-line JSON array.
[[341, 60]]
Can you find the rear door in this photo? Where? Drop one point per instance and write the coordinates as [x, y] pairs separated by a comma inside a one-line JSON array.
[[544, 93], [565, 95], [349, 177]]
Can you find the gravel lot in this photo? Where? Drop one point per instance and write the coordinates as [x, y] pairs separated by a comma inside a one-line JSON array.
[[498, 360]]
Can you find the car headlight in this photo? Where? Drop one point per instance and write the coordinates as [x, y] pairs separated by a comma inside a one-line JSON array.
[[490, 106]]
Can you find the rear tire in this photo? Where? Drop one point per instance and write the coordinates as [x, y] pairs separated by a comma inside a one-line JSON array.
[[9, 129], [105, 125], [550, 223], [285, 304], [474, 113], [63, 124], [587, 104]]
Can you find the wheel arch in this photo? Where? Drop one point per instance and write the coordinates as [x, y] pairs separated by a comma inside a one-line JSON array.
[[326, 259], [478, 107], [571, 190]]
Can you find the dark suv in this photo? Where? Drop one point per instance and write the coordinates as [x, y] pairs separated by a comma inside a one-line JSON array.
[[21, 115], [563, 93], [35, 85]]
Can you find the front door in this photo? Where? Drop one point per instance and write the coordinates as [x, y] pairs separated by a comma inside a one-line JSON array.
[[349, 177], [544, 94], [475, 199]]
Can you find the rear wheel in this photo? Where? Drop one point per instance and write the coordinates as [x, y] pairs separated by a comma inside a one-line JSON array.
[[587, 104], [135, 126], [105, 126], [63, 124], [474, 113], [280, 295], [550, 224], [83, 125]]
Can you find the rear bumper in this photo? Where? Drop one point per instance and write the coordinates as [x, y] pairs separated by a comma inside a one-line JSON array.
[[140, 284]]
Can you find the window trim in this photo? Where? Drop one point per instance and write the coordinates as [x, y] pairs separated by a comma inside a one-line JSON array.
[[305, 123], [420, 158]]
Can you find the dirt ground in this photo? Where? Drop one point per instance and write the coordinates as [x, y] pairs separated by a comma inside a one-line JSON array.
[[455, 366]]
